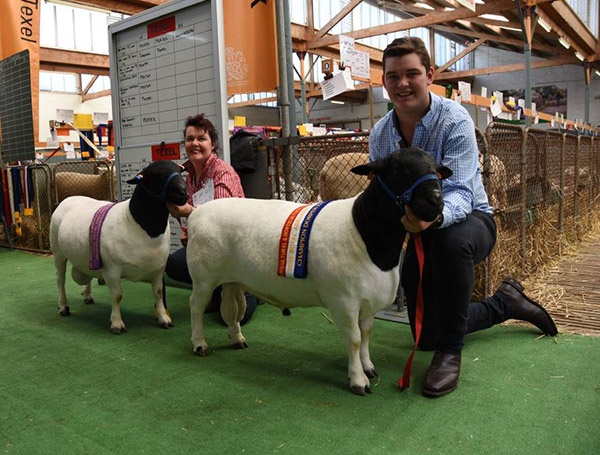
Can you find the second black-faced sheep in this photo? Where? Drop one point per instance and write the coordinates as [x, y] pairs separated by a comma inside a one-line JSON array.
[[134, 239], [353, 254]]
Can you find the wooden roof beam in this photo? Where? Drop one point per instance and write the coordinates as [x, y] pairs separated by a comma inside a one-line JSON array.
[[121, 6], [567, 20], [501, 39], [567, 60], [468, 50], [73, 62], [560, 31], [335, 19], [85, 98], [89, 86], [432, 18]]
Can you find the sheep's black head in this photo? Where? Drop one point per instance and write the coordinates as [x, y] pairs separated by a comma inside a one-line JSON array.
[[400, 171], [162, 180]]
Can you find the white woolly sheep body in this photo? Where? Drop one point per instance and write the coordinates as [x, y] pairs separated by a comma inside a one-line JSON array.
[[341, 277], [126, 250], [352, 264], [134, 241]]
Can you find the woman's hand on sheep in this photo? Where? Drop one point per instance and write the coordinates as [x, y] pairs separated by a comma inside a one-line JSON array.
[[412, 223], [180, 211]]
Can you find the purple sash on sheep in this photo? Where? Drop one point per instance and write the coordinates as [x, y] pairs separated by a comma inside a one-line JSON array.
[[95, 233]]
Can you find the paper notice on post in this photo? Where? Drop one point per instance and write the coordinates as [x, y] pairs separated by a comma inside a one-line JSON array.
[[465, 90], [64, 115], [346, 44], [358, 62], [69, 150], [499, 96], [339, 83], [496, 108], [205, 194], [100, 118]]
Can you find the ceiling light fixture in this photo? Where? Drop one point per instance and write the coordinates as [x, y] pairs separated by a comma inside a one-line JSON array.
[[337, 102], [511, 28], [423, 5], [564, 42], [495, 17], [579, 56], [597, 72], [544, 25]]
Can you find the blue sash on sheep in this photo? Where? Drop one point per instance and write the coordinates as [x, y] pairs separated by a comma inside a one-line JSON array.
[[134, 243], [354, 255]]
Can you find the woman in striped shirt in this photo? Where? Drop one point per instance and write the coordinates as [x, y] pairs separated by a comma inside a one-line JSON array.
[[209, 177]]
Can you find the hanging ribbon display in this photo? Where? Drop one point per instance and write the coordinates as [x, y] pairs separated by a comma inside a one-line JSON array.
[[17, 198], [28, 192], [6, 197]]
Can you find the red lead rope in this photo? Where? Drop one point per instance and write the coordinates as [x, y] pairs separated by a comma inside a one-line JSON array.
[[404, 381]]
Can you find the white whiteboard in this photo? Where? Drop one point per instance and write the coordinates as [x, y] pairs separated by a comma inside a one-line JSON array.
[[166, 63]]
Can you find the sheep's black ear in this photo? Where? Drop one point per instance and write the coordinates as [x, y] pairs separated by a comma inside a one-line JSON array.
[[444, 172], [367, 169], [137, 179]]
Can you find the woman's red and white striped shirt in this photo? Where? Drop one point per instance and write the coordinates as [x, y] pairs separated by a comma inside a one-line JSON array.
[[226, 181]]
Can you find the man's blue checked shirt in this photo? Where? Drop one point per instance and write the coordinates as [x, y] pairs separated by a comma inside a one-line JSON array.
[[448, 134]]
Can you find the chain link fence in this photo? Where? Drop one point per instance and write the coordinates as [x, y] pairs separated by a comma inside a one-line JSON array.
[[35, 227], [543, 185], [96, 179], [320, 168]]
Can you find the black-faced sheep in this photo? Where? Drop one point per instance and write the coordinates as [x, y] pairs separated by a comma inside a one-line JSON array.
[[353, 255], [134, 241]]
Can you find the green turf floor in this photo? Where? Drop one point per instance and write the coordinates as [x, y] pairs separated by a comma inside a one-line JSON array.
[[68, 386]]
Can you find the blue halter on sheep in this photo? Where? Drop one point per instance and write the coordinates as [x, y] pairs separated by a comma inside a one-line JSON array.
[[134, 240], [354, 255]]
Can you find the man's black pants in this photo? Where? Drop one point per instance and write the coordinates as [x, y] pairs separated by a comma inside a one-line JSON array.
[[448, 279]]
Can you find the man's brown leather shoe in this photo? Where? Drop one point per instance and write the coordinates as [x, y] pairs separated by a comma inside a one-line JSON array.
[[442, 376], [524, 308]]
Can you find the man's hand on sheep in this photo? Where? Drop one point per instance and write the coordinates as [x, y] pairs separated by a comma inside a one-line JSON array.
[[413, 224], [180, 211]]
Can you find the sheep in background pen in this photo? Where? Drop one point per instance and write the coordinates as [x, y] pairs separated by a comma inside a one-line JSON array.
[[354, 254], [134, 241], [96, 186], [335, 179]]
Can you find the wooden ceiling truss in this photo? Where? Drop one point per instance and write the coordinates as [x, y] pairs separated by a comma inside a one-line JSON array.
[[445, 17]]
